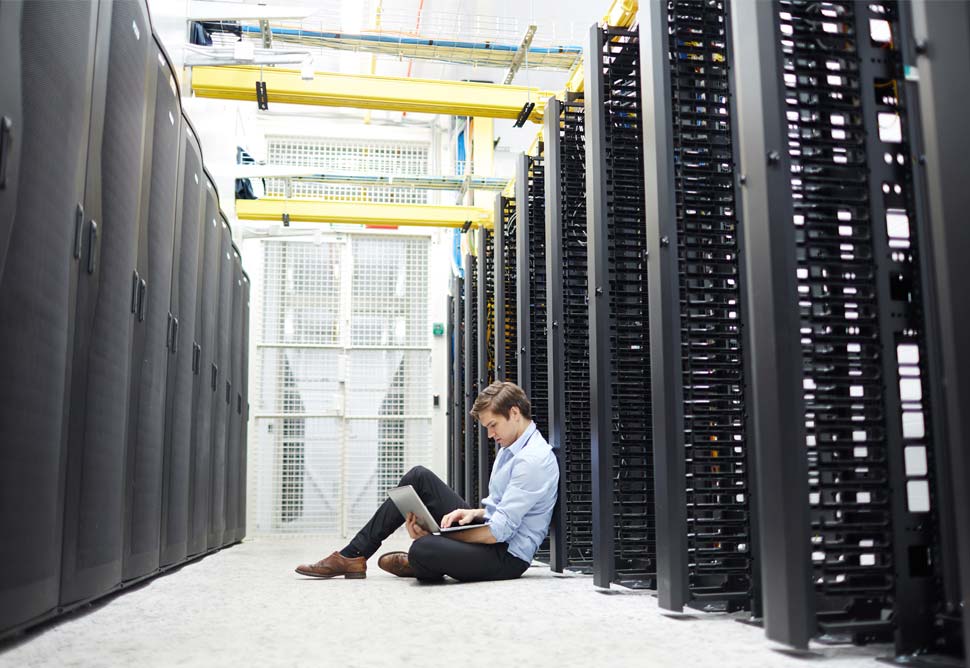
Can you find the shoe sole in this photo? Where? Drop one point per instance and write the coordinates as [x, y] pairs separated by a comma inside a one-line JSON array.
[[347, 576]]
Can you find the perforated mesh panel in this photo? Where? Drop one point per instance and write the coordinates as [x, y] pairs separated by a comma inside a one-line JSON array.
[[388, 158], [342, 396]]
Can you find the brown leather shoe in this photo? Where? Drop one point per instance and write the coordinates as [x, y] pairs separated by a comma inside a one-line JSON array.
[[396, 563], [334, 566]]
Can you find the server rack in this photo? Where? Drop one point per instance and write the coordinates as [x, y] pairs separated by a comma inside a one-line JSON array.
[[624, 546], [470, 470], [704, 529], [110, 301], [530, 267], [11, 119], [222, 395], [181, 388], [485, 268], [89, 306], [450, 395], [506, 339], [834, 241], [530, 282], [942, 96], [244, 418], [149, 363], [205, 369], [571, 533], [235, 408], [44, 190], [458, 381]]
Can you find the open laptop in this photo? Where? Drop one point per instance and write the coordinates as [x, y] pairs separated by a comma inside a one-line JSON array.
[[407, 501]]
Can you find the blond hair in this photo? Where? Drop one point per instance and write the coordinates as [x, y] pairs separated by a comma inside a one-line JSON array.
[[499, 398]]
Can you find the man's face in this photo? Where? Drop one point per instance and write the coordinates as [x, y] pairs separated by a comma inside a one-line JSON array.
[[502, 430]]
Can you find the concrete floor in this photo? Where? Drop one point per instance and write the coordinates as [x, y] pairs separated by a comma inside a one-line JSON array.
[[246, 607]]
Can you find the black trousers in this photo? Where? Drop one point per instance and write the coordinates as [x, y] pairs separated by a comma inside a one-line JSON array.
[[433, 557]]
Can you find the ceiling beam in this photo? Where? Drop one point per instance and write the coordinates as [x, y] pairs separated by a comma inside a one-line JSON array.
[[362, 91], [362, 213]]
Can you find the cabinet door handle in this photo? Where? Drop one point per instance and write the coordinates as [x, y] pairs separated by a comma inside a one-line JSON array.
[[6, 141], [168, 331], [78, 231], [142, 299], [134, 292], [175, 336], [215, 373], [92, 247], [196, 358]]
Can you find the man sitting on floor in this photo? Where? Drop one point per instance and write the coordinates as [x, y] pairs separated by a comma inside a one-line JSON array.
[[521, 495]]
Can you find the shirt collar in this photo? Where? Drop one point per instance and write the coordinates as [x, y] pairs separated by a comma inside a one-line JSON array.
[[523, 439]]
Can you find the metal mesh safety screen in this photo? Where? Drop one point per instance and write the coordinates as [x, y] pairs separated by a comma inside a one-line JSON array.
[[342, 379], [391, 158]]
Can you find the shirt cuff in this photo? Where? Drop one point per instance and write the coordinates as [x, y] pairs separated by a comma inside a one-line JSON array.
[[498, 524]]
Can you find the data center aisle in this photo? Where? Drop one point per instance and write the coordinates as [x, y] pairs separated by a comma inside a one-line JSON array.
[[246, 607]]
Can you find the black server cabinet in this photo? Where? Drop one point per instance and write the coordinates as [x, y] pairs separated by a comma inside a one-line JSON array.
[[530, 298], [945, 146], [204, 365], [530, 282], [183, 371], [244, 418], [222, 396], [450, 405], [485, 268], [851, 470], [506, 341], [705, 553], [111, 298], [11, 118], [37, 294], [146, 413], [571, 534], [624, 541], [235, 408], [470, 471], [459, 415]]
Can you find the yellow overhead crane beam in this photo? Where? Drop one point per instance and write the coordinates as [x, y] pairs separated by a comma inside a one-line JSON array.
[[362, 213], [363, 91]]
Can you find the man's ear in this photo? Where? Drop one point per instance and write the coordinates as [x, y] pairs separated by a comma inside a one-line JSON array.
[[514, 412]]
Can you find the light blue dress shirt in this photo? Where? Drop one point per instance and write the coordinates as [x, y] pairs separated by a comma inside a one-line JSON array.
[[522, 492]]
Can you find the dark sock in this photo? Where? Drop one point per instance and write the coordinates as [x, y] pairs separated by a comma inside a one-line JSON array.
[[350, 552]]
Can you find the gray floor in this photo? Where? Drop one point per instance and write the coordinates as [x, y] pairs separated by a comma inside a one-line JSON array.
[[246, 607]]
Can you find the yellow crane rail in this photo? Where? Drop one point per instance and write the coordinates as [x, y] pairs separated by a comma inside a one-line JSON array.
[[363, 91], [362, 213]]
